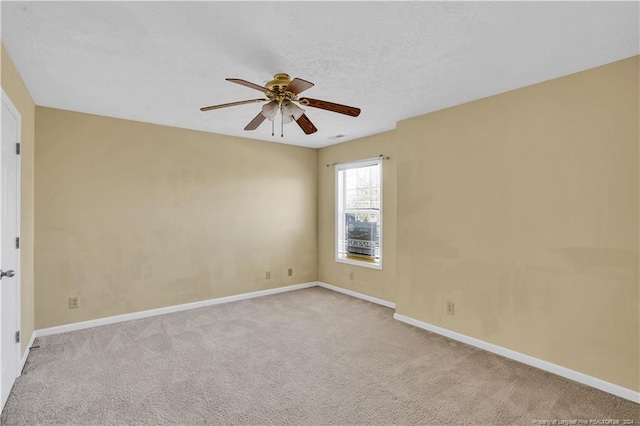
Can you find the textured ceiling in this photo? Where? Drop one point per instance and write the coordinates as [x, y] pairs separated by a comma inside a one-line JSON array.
[[160, 62]]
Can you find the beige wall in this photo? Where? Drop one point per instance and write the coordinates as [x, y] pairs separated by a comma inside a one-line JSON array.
[[522, 209], [376, 283], [14, 88], [134, 216]]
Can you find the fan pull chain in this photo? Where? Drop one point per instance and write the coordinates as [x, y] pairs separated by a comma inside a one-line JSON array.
[[272, 127], [282, 123]]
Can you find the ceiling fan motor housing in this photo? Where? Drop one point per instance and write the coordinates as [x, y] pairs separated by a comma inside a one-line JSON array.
[[279, 83]]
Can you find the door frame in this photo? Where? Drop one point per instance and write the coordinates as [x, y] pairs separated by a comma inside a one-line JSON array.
[[18, 268]]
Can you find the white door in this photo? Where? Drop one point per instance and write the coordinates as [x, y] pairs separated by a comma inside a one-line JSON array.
[[9, 253]]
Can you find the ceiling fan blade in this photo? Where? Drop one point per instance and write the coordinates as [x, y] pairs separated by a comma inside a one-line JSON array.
[[330, 106], [250, 101], [250, 85], [257, 120], [306, 125], [298, 85]]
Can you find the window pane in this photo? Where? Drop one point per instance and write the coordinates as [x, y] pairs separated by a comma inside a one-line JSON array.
[[352, 178], [375, 175], [364, 177], [352, 199], [375, 198], [364, 199], [362, 233]]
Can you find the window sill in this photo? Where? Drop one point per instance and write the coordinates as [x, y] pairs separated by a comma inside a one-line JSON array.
[[370, 265]]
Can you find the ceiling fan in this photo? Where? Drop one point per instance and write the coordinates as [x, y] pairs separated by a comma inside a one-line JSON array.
[[282, 95]]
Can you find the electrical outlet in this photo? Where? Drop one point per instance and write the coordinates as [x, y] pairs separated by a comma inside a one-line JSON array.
[[290, 272], [451, 308], [267, 275], [352, 276], [74, 303]]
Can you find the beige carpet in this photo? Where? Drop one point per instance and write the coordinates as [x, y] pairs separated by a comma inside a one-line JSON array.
[[305, 357]]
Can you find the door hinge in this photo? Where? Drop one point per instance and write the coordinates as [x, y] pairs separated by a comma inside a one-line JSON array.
[[18, 148], [17, 337], [17, 242]]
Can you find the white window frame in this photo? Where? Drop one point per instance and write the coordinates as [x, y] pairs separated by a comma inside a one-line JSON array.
[[341, 258]]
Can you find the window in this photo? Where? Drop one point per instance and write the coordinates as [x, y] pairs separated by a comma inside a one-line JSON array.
[[359, 213]]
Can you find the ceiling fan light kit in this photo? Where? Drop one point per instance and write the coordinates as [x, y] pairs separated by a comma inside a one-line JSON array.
[[292, 110], [269, 110], [281, 93]]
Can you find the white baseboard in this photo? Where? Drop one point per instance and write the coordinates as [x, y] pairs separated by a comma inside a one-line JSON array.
[[26, 352], [166, 310], [576, 376], [358, 295]]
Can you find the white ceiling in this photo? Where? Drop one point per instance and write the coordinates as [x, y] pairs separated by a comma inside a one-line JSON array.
[[160, 62]]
